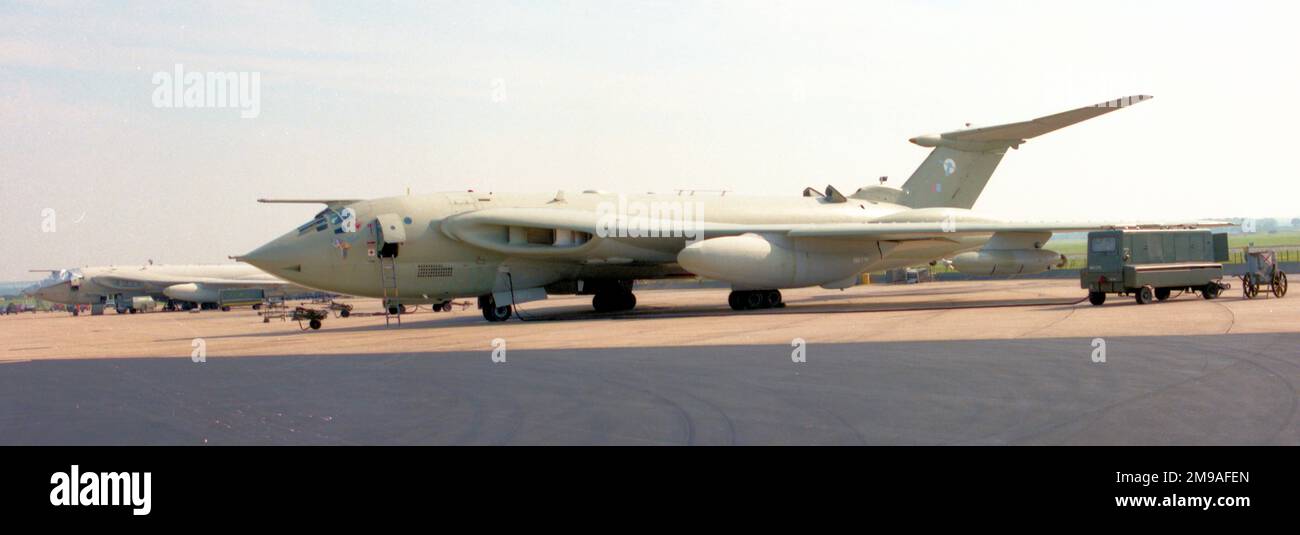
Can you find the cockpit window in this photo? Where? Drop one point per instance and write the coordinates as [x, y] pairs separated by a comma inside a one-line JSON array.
[[309, 225], [63, 275], [319, 222], [60, 277], [344, 220]]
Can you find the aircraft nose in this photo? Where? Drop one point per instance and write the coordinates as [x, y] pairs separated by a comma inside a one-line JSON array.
[[41, 290], [281, 256]]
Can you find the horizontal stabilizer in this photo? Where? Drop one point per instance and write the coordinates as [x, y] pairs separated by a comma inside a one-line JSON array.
[[956, 171], [327, 202], [1014, 134]]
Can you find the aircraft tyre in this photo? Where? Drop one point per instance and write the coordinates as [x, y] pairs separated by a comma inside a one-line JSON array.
[[754, 299], [613, 301], [491, 311]]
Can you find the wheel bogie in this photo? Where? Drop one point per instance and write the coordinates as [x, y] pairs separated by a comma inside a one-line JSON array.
[[755, 299], [613, 301]]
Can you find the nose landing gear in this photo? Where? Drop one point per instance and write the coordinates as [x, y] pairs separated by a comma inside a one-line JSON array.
[[491, 311]]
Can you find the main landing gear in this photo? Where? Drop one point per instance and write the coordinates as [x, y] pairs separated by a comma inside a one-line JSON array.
[[610, 295], [754, 299], [491, 311], [613, 301]]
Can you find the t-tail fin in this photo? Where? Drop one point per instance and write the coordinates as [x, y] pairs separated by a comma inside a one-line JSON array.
[[961, 163]]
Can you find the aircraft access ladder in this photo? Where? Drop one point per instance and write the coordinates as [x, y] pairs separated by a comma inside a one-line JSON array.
[[388, 283]]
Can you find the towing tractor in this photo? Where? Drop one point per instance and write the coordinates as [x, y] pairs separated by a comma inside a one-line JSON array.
[[1151, 265]]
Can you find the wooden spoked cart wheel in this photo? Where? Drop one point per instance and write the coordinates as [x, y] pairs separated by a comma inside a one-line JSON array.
[[1249, 289]]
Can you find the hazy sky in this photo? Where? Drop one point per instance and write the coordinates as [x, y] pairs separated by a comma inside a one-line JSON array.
[[366, 99]]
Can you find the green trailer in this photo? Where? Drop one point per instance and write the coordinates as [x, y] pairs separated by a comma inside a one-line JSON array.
[[1152, 264]]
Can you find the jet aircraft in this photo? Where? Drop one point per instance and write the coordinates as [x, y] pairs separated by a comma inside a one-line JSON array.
[[511, 248], [177, 286]]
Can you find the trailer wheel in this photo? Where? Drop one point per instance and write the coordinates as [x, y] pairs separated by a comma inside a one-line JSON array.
[[1248, 286], [1210, 291], [314, 324], [1279, 284], [1163, 293], [1097, 298], [1145, 295]]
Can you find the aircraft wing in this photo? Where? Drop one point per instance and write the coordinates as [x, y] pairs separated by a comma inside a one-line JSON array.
[[118, 282], [484, 228], [896, 231], [242, 283], [143, 281]]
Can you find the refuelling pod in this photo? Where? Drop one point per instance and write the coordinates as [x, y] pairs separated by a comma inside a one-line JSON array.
[[753, 261], [1007, 262], [192, 292]]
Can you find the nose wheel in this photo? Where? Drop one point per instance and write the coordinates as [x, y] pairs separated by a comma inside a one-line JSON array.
[[491, 311], [755, 299]]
